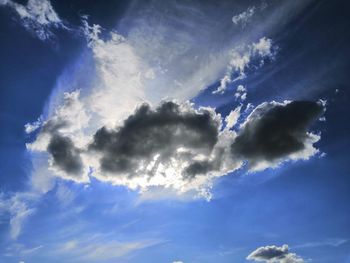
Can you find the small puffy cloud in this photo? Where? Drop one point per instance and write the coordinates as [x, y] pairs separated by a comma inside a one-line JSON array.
[[254, 54], [263, 47], [241, 93], [275, 132], [31, 127], [244, 17], [178, 261], [274, 254], [37, 16]]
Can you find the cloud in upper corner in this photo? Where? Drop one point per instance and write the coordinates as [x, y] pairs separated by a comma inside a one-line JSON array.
[[275, 132], [254, 54], [37, 16], [244, 17], [274, 254]]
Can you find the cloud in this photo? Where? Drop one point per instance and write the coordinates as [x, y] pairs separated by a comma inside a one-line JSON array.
[[333, 242], [156, 61], [232, 118], [31, 127], [159, 133], [37, 16], [172, 145], [241, 93], [275, 132], [64, 195], [274, 254], [19, 208], [65, 155], [98, 248], [243, 57], [244, 17], [175, 146]]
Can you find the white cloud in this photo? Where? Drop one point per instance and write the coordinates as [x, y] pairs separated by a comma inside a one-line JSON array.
[[241, 93], [274, 254], [37, 16], [177, 261], [19, 207], [244, 57], [97, 248], [263, 47], [232, 118], [64, 194], [244, 17], [333, 242], [31, 127]]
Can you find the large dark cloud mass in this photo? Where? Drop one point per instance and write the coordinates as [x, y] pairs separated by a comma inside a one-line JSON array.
[[160, 131], [175, 144], [274, 254], [274, 130]]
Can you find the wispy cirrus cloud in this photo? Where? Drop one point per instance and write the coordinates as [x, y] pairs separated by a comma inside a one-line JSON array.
[[254, 54], [99, 248], [37, 16], [244, 17], [19, 207]]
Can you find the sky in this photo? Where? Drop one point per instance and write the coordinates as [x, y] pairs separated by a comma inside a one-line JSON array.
[[180, 131]]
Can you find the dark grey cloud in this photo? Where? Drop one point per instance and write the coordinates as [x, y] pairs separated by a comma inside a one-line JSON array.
[[177, 145], [274, 130], [65, 155], [274, 254], [155, 131], [199, 167]]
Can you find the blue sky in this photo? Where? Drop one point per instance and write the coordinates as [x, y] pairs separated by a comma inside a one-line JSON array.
[[174, 131]]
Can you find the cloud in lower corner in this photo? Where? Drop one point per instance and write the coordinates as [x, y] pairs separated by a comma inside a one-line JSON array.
[[274, 254]]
